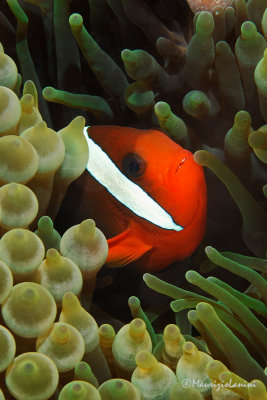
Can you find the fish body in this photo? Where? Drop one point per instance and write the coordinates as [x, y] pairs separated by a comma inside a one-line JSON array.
[[146, 194]]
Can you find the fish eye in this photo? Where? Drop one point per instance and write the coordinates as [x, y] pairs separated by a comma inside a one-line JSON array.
[[133, 166]]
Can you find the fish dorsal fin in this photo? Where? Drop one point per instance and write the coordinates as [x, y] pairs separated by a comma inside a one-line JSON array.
[[125, 248]]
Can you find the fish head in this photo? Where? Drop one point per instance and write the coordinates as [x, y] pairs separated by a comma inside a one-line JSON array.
[[165, 190]]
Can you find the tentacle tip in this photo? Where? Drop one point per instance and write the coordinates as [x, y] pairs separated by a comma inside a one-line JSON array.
[[48, 92], [162, 109], [146, 277], [209, 250], [192, 315], [190, 276], [211, 278], [126, 55], [133, 301], [75, 20], [203, 307], [200, 157]]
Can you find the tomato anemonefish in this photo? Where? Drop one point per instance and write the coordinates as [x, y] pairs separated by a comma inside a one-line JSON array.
[[147, 195]]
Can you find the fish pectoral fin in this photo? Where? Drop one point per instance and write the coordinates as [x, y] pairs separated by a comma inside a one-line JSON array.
[[124, 249]]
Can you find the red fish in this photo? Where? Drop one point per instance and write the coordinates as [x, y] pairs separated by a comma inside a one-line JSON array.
[[147, 195]]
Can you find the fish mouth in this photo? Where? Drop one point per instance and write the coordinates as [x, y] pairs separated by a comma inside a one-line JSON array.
[[128, 193]]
